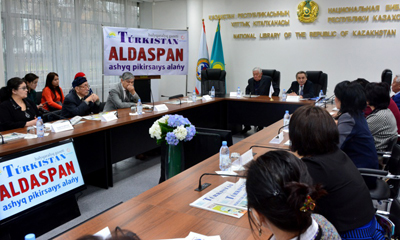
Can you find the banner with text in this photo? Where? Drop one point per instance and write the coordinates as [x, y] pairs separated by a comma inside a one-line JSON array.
[[145, 51], [31, 179]]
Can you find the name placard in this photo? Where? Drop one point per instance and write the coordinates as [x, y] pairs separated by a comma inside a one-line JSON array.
[[160, 107], [206, 98], [108, 117], [61, 126]]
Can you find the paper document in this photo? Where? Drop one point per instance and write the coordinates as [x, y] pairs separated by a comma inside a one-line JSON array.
[[228, 199]]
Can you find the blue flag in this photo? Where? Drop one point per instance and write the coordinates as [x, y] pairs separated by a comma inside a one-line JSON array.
[[217, 53]]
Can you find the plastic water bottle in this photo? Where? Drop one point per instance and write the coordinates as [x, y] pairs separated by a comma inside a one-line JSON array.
[[286, 120], [284, 95], [39, 127], [238, 93], [213, 92], [321, 94], [224, 160], [139, 107], [194, 97], [30, 236]]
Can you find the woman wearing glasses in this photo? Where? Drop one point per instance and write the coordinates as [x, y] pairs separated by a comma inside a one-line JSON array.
[[281, 198], [17, 111]]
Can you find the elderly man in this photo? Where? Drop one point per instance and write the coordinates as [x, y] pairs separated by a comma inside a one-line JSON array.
[[259, 85], [301, 87], [123, 95], [396, 90], [79, 102]]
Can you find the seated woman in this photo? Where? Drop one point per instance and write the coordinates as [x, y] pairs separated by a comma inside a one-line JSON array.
[[281, 198], [381, 121], [355, 138], [348, 205], [52, 95], [17, 111], [32, 80]]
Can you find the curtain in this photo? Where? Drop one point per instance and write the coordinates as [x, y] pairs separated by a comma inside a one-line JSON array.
[[62, 36]]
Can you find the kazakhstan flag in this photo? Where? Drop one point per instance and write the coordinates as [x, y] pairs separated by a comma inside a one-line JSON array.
[[217, 53]]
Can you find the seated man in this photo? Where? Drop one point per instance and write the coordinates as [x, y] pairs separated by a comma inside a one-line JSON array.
[[259, 85], [301, 87], [396, 90], [123, 95], [78, 102]]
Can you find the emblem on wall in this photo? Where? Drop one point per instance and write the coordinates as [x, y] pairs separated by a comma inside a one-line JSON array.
[[307, 11]]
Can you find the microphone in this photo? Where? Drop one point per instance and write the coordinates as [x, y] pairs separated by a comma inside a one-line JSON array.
[[279, 130], [258, 146], [2, 139], [116, 114], [205, 185], [175, 96], [60, 117]]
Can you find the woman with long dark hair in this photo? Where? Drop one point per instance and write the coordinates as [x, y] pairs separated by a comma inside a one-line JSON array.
[[281, 198], [348, 205], [17, 110], [52, 95]]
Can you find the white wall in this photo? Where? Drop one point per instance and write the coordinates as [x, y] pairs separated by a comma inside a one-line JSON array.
[[169, 15], [2, 77], [341, 58]]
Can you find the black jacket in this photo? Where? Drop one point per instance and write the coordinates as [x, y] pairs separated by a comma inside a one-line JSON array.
[[308, 90], [11, 116], [265, 84], [73, 106]]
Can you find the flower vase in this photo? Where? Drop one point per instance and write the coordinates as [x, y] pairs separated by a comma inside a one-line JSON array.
[[174, 160]]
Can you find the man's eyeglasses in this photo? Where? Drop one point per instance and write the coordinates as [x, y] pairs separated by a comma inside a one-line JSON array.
[[23, 88], [84, 86]]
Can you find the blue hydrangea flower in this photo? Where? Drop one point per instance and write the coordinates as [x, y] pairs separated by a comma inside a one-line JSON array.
[[191, 132], [171, 139], [177, 120]]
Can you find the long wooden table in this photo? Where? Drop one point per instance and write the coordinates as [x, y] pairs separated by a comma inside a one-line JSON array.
[[98, 144], [163, 212]]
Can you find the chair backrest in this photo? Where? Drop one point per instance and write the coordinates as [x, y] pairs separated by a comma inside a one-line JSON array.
[[320, 81], [3, 94], [387, 76], [204, 144], [393, 166], [213, 77], [38, 97], [275, 75]]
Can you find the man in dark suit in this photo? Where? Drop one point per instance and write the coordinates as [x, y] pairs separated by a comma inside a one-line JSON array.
[[301, 87], [396, 90], [259, 85], [78, 102]]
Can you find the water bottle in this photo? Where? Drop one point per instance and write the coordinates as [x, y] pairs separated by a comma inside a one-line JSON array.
[[284, 95], [139, 107], [30, 236], [194, 97], [286, 120], [321, 94], [39, 127], [224, 160], [239, 93], [213, 92]]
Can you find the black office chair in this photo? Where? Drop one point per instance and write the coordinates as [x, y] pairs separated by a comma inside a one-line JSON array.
[[3, 94], [213, 77], [38, 97], [204, 144], [276, 79], [387, 188], [387, 76], [320, 81]]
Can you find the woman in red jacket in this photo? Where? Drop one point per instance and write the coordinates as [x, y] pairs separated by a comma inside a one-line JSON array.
[[52, 95]]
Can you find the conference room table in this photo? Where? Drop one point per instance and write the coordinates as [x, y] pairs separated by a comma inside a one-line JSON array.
[[98, 144], [163, 212]]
